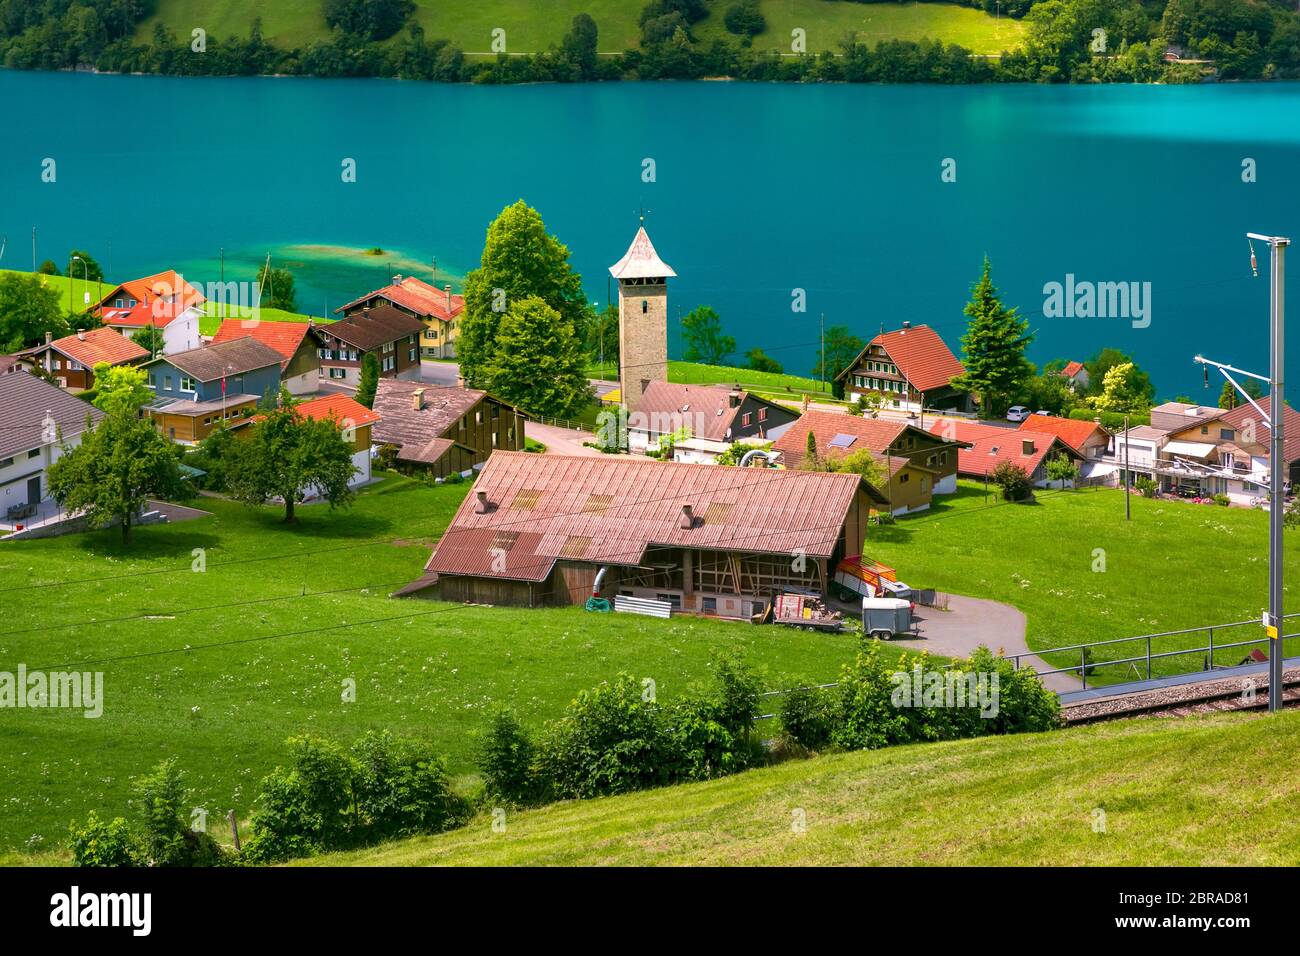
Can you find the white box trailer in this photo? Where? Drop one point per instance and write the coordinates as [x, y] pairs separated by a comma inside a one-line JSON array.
[[884, 617]]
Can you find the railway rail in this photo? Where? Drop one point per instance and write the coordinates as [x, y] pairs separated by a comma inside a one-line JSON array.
[[1203, 697]]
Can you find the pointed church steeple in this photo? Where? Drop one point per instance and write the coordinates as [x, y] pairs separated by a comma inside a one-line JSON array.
[[642, 317]]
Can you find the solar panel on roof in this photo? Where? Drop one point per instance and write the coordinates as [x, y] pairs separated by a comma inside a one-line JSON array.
[[843, 441]]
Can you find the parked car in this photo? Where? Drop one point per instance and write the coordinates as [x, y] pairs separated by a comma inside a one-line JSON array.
[[1017, 413], [1043, 411]]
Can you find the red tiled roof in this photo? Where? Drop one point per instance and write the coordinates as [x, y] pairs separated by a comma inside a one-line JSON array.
[[95, 346], [416, 295], [1072, 431], [1072, 369], [609, 509], [1245, 413], [347, 410], [920, 354], [991, 445], [875, 434], [706, 410], [285, 337], [149, 309]]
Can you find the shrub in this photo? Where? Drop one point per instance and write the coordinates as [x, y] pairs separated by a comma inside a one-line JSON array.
[[611, 740], [867, 718], [1221, 500], [400, 788], [505, 759], [168, 840], [745, 19], [386, 457], [301, 810], [99, 843], [1146, 487], [713, 733], [808, 715], [1014, 482], [1024, 704]]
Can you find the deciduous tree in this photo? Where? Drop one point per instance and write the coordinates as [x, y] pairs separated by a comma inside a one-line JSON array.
[[288, 455], [704, 339], [538, 364]]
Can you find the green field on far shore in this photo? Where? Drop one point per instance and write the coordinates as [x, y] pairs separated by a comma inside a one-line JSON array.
[[531, 27]]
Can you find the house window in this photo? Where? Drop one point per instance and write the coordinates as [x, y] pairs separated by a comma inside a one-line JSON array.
[[411, 355], [478, 417], [904, 478], [34, 453], [1205, 429], [117, 303], [153, 380], [167, 382], [1227, 434], [674, 599], [762, 414], [389, 347], [645, 306], [709, 605], [496, 412], [338, 373], [6, 463], [187, 384], [744, 419]]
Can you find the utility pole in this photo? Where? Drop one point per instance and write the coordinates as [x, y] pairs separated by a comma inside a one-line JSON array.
[[822, 324], [1128, 476], [1275, 419], [223, 281], [33, 249]]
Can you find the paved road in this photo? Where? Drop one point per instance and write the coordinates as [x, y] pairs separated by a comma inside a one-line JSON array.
[[970, 622], [560, 441]]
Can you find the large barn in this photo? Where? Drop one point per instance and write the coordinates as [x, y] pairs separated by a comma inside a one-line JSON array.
[[551, 530]]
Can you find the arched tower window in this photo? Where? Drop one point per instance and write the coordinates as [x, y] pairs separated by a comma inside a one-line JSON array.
[[645, 305]]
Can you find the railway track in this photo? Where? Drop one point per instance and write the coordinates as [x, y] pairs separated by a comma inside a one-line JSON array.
[[1204, 697]]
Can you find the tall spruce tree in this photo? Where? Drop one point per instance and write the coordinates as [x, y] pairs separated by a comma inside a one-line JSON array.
[[993, 347]]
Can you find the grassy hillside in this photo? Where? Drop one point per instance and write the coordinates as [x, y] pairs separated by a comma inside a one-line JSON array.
[[218, 668], [1198, 791], [532, 26], [1175, 565], [827, 22]]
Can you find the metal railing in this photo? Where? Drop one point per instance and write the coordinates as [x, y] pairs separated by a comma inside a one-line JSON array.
[[1086, 665]]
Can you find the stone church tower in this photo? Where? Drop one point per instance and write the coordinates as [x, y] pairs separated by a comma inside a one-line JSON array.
[[642, 318]]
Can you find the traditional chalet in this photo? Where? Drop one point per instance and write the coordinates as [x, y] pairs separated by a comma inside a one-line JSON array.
[[165, 301], [920, 464], [199, 389], [551, 529], [1076, 374], [300, 368], [438, 311], [71, 360], [390, 333], [1088, 438], [990, 445], [354, 421], [712, 412], [37, 420], [909, 369], [444, 429]]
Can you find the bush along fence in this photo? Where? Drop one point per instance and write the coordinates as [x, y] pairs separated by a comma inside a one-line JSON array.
[[615, 738]]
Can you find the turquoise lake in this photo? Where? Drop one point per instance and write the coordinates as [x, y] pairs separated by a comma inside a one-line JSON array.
[[759, 190]]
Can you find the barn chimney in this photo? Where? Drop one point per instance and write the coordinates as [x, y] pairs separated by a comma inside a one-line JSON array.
[[1027, 446], [687, 519], [906, 325], [447, 289], [397, 279], [417, 400], [81, 334], [49, 337], [481, 505], [733, 398]]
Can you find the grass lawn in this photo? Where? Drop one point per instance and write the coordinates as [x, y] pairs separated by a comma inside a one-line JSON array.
[[1175, 565], [531, 26], [192, 670], [697, 373], [827, 22], [1173, 793], [72, 292]]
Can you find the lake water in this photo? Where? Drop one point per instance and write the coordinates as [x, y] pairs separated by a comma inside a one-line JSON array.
[[759, 190]]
